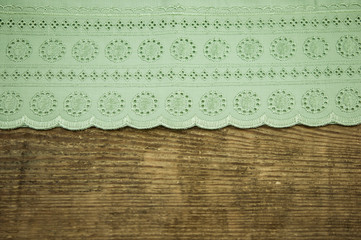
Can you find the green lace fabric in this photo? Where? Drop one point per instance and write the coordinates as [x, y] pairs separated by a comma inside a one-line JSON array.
[[110, 64]]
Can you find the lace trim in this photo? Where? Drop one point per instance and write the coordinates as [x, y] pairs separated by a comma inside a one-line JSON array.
[[178, 9], [195, 121], [180, 66]]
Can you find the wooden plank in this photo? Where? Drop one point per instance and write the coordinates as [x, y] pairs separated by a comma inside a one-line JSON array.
[[262, 183]]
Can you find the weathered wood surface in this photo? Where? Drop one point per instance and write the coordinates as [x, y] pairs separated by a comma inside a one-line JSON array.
[[263, 183]]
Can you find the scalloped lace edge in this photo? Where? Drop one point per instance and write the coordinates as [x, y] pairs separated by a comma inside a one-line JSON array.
[[177, 8], [195, 121]]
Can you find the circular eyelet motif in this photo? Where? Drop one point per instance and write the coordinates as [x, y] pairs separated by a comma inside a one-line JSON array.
[[348, 46], [246, 102], [348, 100], [52, 50], [283, 48], [18, 50], [281, 102], [10, 103], [43, 103], [212, 103], [183, 49], [216, 49], [315, 47], [77, 103], [150, 50], [118, 50], [85, 51], [314, 101], [144, 103], [111, 104], [249, 49], [178, 103]]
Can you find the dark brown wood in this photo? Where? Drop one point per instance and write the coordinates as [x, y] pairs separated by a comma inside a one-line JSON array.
[[262, 183]]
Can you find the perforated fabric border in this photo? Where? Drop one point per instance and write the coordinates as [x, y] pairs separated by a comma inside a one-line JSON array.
[[277, 63]]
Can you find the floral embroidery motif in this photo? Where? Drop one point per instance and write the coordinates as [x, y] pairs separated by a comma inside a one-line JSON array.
[[117, 67], [246, 102], [315, 47], [282, 48], [77, 104], [212, 103], [144, 103], [52, 50], [183, 49], [174, 75], [216, 49], [85, 51], [146, 24], [10, 103], [348, 100], [117, 50], [18, 50], [178, 103], [348, 46], [43, 103], [111, 104], [314, 101], [281, 101], [249, 49], [150, 50]]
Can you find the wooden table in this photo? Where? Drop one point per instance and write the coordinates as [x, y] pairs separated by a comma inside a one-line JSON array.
[[262, 183]]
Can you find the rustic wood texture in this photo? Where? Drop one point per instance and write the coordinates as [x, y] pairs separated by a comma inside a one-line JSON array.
[[262, 183]]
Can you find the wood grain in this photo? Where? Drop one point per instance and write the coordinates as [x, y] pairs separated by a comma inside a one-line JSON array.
[[262, 183]]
